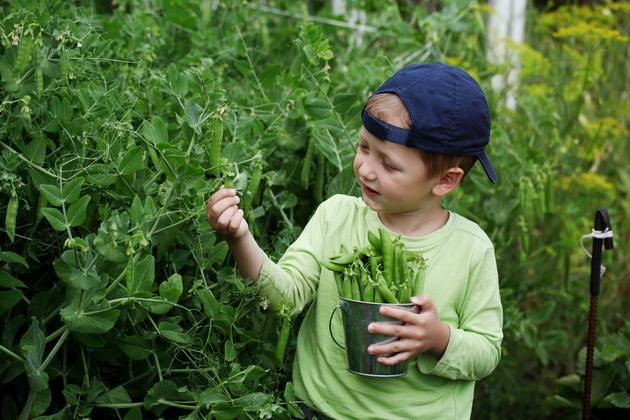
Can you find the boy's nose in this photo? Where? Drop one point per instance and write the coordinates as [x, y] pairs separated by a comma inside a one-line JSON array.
[[365, 170]]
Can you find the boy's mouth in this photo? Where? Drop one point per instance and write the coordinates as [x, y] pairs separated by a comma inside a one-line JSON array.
[[368, 190]]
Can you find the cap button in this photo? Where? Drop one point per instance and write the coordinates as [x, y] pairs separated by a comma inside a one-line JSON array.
[[431, 90]]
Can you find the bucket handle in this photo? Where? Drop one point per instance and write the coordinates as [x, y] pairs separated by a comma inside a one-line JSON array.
[[330, 325]]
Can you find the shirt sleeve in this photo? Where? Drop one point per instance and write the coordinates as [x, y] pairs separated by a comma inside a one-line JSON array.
[[474, 348], [294, 279]]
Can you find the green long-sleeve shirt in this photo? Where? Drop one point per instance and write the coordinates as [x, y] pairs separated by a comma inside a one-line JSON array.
[[461, 279]]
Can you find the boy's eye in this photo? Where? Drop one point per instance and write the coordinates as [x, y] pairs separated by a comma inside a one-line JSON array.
[[389, 166]]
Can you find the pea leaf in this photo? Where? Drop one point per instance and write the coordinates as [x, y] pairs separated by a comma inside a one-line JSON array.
[[155, 131], [136, 347], [229, 350], [94, 322], [163, 390], [32, 348], [101, 174], [68, 193], [8, 281], [132, 161], [194, 115], [253, 401], [70, 273], [12, 257], [71, 190], [136, 212], [317, 108], [76, 212], [117, 395], [41, 402], [211, 306], [211, 396], [178, 84], [173, 332], [171, 289], [8, 299], [52, 194], [55, 218], [143, 276]]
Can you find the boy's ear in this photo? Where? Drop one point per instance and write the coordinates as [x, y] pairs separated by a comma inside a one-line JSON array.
[[448, 181]]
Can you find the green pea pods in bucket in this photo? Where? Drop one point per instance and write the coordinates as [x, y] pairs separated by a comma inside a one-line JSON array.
[[356, 316]]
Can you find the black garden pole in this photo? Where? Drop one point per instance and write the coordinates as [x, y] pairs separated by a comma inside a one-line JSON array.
[[602, 235]]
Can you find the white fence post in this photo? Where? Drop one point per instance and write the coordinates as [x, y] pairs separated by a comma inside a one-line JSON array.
[[507, 23]]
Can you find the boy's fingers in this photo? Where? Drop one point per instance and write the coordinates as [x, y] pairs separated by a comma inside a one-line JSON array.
[[221, 194], [390, 349], [216, 210], [395, 359], [387, 329], [400, 314], [223, 221], [235, 221]]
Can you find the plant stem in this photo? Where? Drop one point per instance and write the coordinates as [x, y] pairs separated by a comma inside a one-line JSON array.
[[55, 334], [10, 353], [28, 162], [282, 213], [157, 364], [55, 349], [176, 405], [119, 405]]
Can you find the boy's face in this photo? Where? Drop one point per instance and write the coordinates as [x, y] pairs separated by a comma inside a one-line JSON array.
[[392, 177]]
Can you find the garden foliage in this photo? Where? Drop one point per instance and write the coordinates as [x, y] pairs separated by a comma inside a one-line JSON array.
[[119, 119]]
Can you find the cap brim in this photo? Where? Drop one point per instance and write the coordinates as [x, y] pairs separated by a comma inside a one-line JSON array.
[[485, 162]]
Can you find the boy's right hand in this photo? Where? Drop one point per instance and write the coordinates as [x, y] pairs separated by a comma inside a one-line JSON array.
[[223, 214]]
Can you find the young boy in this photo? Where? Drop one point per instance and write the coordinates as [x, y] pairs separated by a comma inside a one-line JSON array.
[[423, 129]]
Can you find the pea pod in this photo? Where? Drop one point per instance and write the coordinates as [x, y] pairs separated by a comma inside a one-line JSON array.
[[346, 287], [39, 77], [403, 265], [385, 292], [397, 275], [374, 241], [338, 282], [11, 216], [419, 279], [377, 297], [355, 289], [24, 54], [367, 291], [404, 293], [252, 187], [214, 150], [387, 249], [373, 267], [283, 339], [333, 266], [343, 259], [349, 257]]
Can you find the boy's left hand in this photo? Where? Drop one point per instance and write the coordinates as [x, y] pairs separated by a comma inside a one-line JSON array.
[[420, 333]]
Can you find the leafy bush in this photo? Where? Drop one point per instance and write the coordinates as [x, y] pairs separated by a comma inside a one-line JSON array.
[[118, 299]]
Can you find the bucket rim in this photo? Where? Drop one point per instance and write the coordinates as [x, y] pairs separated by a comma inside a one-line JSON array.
[[404, 305]]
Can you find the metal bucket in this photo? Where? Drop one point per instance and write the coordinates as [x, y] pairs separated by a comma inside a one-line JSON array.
[[356, 317]]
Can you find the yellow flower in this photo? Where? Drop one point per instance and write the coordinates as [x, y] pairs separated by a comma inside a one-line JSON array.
[[590, 33]]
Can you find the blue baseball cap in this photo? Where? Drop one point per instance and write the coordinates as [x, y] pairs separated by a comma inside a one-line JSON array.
[[448, 110]]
